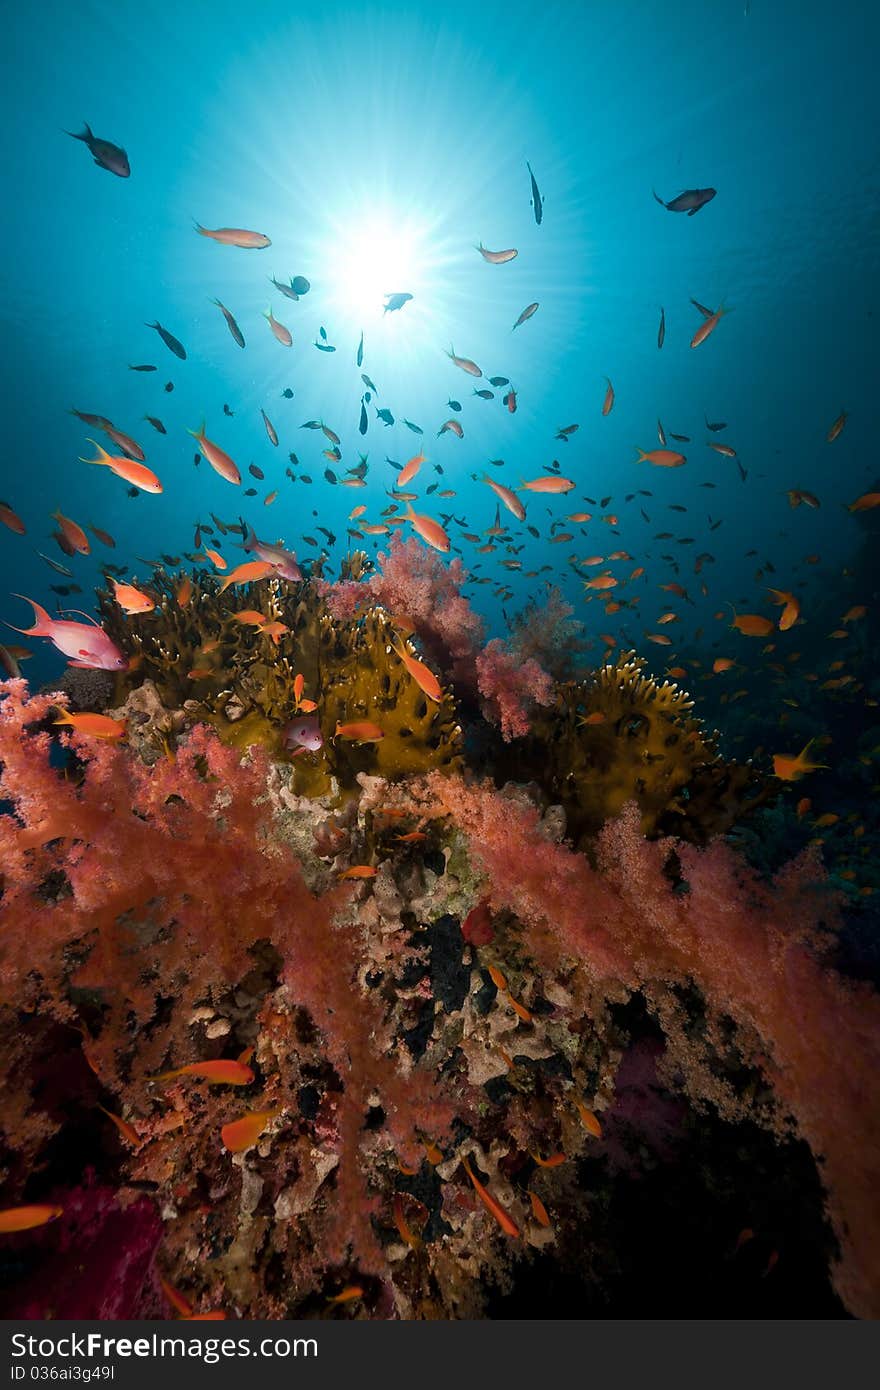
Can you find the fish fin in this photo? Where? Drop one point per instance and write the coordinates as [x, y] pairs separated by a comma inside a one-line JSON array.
[[87, 616], [42, 625], [659, 199], [86, 136], [103, 452]]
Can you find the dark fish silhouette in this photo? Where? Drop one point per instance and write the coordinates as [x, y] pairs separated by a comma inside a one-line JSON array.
[[690, 201], [360, 352], [362, 426], [287, 393], [300, 285], [536, 197], [106, 155], [386, 416], [145, 367], [287, 290], [719, 425], [395, 301], [172, 343], [661, 331]]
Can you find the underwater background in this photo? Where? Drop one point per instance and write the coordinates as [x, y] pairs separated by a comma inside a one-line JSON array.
[[378, 148]]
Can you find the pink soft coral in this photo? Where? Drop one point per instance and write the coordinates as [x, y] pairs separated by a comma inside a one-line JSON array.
[[509, 686], [415, 584], [751, 947]]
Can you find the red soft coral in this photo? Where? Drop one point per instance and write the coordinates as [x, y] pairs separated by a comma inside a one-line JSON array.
[[415, 584]]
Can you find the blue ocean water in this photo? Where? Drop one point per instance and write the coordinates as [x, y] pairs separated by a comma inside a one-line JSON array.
[[376, 146]]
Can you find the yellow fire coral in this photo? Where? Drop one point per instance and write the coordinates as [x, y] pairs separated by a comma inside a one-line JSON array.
[[620, 736]]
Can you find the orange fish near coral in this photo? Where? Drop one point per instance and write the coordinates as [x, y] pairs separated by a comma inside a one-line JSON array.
[[506, 1223], [422, 675], [791, 608], [661, 458], [359, 871], [431, 532], [247, 573], [26, 1218], [242, 1134], [73, 533], [790, 768], [129, 1134], [130, 599], [221, 1072], [359, 731], [94, 725], [752, 624], [589, 1120], [510, 499]]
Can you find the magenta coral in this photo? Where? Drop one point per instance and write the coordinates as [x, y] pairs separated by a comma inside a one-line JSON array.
[[509, 686], [414, 583]]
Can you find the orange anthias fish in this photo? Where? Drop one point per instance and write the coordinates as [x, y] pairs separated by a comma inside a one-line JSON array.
[[130, 599], [129, 1134], [708, 326], [551, 483], [26, 1218], [865, 502], [422, 675], [247, 573], [721, 664], [217, 457], [400, 1221], [216, 558], [360, 731], [539, 1211], [235, 236], [791, 608], [509, 498], [797, 497], [837, 427], [184, 591], [359, 871], [221, 1072], [552, 1160], [752, 624], [608, 402], [790, 768], [128, 469], [350, 1292], [73, 533], [407, 473], [464, 363], [10, 519], [661, 458], [431, 532], [242, 1134], [94, 725], [282, 334], [506, 1223], [588, 1119]]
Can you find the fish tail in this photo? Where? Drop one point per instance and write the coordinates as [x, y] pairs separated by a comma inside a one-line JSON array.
[[199, 433], [43, 625], [199, 228], [104, 456], [659, 199], [641, 454], [86, 135]]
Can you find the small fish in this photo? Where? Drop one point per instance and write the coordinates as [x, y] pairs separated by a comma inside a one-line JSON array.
[[256, 472], [93, 725], [451, 427], [247, 573], [287, 393], [535, 200], [726, 450], [690, 201], [231, 323], [364, 422], [128, 469], [464, 363], [454, 405], [270, 428], [395, 301], [228, 411], [661, 458], [608, 403], [129, 1134], [220, 1072], [430, 531], [282, 334], [422, 675], [527, 313], [589, 1121], [86, 645], [416, 429], [304, 733], [130, 599], [300, 285], [752, 624], [287, 290], [173, 344], [359, 871], [865, 503], [386, 416], [360, 351], [11, 519], [497, 257], [142, 367], [509, 498], [708, 326], [506, 1223], [789, 767], [156, 423], [240, 1135], [217, 457], [718, 425], [26, 1218], [105, 154], [484, 394], [73, 534], [661, 331], [350, 1292], [359, 731], [235, 236]]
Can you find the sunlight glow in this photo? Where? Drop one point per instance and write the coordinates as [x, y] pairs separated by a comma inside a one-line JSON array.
[[372, 260]]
